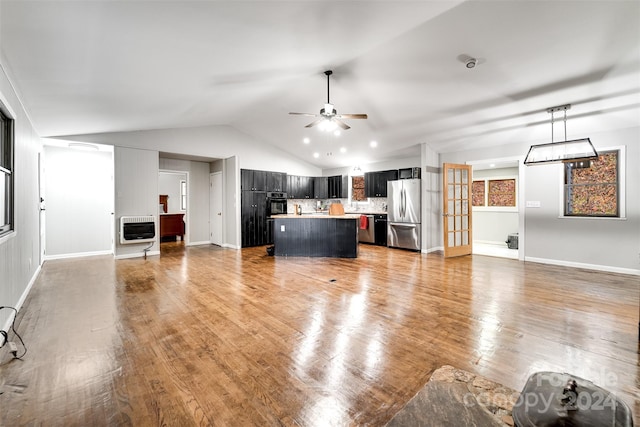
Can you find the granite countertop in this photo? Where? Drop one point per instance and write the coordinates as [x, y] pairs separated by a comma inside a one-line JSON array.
[[456, 397]]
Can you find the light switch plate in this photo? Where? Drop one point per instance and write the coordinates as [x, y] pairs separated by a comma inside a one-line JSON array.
[[282, 228], [533, 203]]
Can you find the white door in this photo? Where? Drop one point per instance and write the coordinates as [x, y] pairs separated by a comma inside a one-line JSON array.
[[215, 198]]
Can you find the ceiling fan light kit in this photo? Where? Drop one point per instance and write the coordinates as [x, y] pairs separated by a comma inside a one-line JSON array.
[[577, 150], [329, 120]]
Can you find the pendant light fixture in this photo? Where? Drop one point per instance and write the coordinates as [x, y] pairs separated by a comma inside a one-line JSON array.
[[561, 151]]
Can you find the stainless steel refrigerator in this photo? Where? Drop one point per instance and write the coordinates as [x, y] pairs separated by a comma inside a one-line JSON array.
[[403, 210]]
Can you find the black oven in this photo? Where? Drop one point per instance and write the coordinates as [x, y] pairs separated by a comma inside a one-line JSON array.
[[276, 203]]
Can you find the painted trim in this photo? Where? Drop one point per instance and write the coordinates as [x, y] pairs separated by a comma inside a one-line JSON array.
[[605, 268], [22, 299], [199, 243], [434, 249], [230, 246], [77, 255], [136, 255]]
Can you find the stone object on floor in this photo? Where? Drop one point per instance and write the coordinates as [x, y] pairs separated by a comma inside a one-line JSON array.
[[456, 397]]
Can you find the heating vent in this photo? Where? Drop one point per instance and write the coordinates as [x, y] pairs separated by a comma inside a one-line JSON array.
[[137, 229]]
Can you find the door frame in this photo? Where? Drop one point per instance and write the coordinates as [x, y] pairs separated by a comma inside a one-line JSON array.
[[216, 197], [520, 193], [187, 220]]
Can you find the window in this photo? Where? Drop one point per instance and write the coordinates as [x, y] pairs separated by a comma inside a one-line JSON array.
[[357, 188], [499, 192], [6, 174], [592, 189], [183, 195]]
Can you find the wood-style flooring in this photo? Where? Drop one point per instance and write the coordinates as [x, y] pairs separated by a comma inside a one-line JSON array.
[[209, 336]]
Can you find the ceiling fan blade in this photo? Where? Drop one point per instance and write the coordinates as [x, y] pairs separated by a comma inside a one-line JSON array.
[[304, 114], [314, 123], [352, 116], [343, 125]]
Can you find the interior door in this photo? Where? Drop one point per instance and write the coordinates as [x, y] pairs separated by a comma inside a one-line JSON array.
[[216, 208], [456, 209]]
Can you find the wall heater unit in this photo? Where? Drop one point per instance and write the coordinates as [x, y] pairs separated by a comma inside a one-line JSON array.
[[137, 229]]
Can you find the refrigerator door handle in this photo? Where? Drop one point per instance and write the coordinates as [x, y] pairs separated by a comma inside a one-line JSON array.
[[402, 203], [403, 225]]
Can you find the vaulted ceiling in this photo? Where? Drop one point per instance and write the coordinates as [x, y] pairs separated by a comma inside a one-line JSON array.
[[104, 66]]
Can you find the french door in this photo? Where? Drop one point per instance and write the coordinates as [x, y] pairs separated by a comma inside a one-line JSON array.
[[456, 209]]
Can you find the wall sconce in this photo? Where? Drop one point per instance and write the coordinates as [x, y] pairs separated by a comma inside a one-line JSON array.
[[562, 151]]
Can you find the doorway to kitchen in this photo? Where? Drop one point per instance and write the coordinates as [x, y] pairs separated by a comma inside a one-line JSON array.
[[498, 216]]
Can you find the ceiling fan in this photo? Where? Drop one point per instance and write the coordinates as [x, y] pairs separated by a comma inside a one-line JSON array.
[[329, 118]]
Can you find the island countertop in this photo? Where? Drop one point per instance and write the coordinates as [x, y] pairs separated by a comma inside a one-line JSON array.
[[316, 215]]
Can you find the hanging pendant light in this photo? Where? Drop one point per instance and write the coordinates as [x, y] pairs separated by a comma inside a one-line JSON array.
[[561, 151]]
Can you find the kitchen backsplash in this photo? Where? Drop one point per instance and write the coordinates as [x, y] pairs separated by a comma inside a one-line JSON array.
[[375, 205]]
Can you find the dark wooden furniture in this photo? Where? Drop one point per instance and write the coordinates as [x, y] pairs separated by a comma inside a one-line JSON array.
[[316, 236], [172, 225], [164, 201]]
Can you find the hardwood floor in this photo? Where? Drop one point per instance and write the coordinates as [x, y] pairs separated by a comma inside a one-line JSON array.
[[210, 336]]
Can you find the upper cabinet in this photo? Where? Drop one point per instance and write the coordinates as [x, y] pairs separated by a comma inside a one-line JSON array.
[[375, 183], [300, 187], [338, 187], [277, 181], [256, 180], [253, 180], [321, 187]]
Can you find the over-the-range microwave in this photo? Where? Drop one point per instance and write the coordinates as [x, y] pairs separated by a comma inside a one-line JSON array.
[[409, 173]]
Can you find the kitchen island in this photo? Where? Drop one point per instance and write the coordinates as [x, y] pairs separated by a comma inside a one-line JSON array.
[[316, 235]]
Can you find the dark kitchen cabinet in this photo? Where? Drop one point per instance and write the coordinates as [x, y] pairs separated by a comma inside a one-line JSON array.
[[320, 187], [253, 180], [299, 187], [338, 187], [375, 183], [277, 181], [253, 218]]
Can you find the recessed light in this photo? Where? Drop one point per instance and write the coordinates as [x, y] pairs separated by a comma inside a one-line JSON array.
[[373, 144], [337, 132], [343, 149], [316, 155], [492, 165], [306, 140]]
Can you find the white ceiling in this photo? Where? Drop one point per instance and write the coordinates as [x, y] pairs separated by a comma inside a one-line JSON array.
[[102, 66]]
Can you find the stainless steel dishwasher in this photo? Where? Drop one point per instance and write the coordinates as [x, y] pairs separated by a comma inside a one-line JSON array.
[[367, 235]]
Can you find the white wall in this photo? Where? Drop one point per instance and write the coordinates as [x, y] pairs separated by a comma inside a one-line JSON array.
[[605, 244], [79, 201], [20, 252], [215, 142], [431, 199], [136, 193]]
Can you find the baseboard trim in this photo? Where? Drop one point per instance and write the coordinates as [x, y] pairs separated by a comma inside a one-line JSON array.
[[605, 268], [230, 246], [77, 255], [199, 243], [137, 255], [22, 299], [435, 249]]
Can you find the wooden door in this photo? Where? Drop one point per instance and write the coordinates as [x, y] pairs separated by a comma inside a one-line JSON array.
[[456, 209]]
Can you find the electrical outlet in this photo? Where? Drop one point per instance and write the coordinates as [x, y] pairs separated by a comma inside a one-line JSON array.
[[13, 348]]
